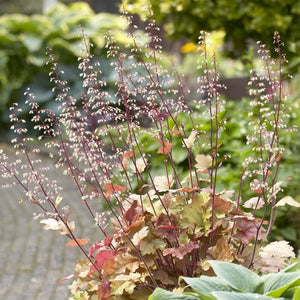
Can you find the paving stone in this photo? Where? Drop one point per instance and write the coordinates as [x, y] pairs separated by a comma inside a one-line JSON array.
[[33, 260]]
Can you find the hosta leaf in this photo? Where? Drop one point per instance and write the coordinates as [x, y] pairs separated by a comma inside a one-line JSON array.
[[206, 284], [70, 47], [32, 42], [6, 37], [239, 296], [296, 294], [292, 293], [292, 268], [238, 277], [201, 296], [160, 294], [276, 284]]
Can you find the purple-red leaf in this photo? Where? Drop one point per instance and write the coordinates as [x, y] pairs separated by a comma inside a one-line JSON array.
[[248, 229], [182, 250]]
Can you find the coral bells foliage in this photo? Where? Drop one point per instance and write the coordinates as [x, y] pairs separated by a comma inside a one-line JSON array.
[[155, 226]]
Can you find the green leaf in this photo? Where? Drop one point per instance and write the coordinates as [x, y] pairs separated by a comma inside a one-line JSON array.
[[238, 277], [206, 284], [296, 294], [6, 37], [289, 233], [18, 23], [37, 60], [32, 42], [71, 47], [292, 268], [239, 296], [275, 284], [198, 212], [160, 294], [202, 296], [179, 155], [291, 292]]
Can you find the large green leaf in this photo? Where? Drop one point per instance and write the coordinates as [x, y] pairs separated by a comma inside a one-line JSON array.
[[70, 47], [16, 23], [239, 296], [276, 284], [292, 293], [32, 42], [206, 284], [296, 294], [6, 38], [179, 155], [238, 277], [292, 268], [160, 294], [108, 21], [67, 12]]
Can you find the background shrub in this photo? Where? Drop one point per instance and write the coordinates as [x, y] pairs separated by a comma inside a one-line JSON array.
[[243, 21]]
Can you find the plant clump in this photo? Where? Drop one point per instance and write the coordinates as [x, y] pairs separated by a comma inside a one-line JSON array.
[[155, 227]]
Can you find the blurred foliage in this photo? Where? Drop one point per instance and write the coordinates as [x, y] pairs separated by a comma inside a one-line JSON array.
[[21, 6], [24, 41], [287, 224], [243, 21], [27, 7], [233, 140]]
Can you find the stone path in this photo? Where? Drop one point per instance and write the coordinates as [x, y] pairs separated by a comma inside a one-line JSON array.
[[33, 260]]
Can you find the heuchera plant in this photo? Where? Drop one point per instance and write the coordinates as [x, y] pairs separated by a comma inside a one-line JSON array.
[[154, 227]]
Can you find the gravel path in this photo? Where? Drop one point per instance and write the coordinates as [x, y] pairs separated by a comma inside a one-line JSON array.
[[33, 260]]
